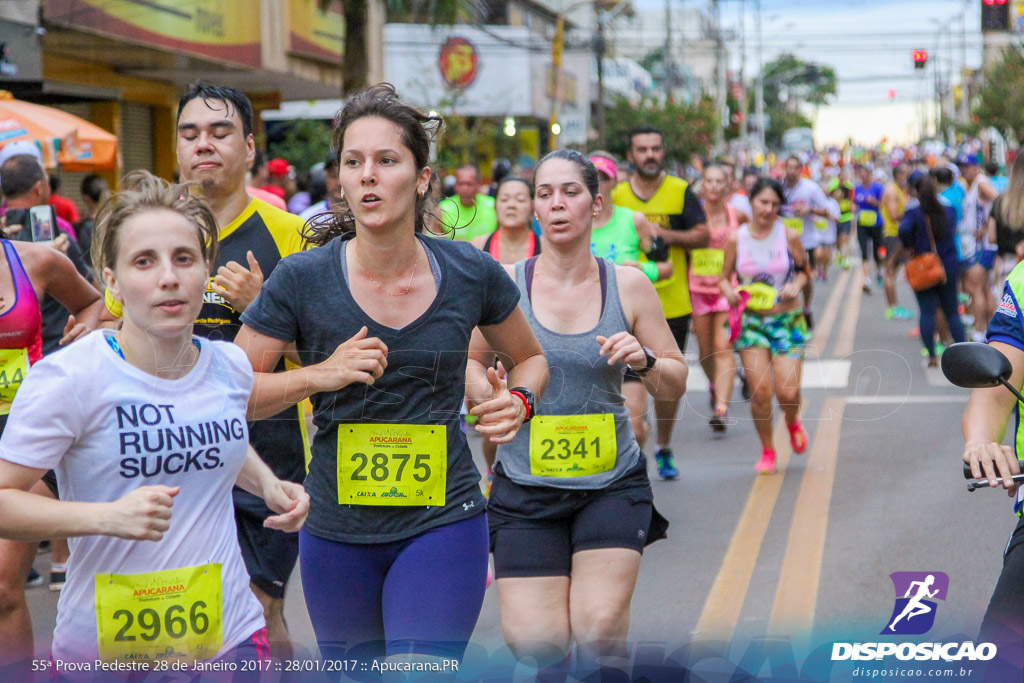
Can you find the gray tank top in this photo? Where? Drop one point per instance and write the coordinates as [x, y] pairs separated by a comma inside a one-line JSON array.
[[580, 436]]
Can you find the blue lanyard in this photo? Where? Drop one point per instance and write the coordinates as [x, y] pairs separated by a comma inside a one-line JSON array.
[[117, 347]]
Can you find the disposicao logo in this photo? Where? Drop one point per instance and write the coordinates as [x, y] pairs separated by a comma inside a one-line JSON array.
[[914, 611], [913, 614]]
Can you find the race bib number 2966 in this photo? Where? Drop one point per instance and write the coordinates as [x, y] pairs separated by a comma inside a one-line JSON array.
[[171, 614]]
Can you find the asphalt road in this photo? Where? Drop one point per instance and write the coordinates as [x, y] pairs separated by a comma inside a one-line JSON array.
[[759, 572]]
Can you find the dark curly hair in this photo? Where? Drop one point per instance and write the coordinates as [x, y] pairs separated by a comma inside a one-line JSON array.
[[418, 130]]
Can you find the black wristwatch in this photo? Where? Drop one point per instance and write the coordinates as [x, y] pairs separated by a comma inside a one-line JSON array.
[[651, 360], [527, 397]]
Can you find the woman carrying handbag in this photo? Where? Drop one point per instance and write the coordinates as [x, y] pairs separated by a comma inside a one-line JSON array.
[[928, 230]]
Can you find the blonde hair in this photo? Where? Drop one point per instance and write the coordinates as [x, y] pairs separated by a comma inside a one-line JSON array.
[[142, 191], [1011, 202]]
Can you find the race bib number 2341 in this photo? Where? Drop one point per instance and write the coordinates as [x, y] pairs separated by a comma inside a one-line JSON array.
[[572, 445]]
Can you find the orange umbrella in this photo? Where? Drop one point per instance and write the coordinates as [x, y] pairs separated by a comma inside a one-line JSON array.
[[63, 138]]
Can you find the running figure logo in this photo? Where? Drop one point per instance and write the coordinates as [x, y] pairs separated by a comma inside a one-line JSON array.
[[914, 611]]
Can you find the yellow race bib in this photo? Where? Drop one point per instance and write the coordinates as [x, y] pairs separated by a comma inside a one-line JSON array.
[[707, 262], [392, 464], [13, 367], [762, 296], [572, 445], [172, 614], [867, 219], [820, 224], [794, 223]]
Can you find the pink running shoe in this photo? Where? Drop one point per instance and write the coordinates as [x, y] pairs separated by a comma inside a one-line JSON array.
[[797, 437], [767, 463]]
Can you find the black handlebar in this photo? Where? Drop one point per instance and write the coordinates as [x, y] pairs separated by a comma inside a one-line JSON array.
[[983, 483]]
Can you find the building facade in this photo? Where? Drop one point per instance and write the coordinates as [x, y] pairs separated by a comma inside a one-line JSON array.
[[123, 64]]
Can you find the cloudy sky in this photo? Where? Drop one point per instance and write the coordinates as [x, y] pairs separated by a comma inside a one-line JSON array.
[[868, 43]]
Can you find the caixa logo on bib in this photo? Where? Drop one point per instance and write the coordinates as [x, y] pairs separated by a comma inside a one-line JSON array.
[[916, 593], [913, 614]]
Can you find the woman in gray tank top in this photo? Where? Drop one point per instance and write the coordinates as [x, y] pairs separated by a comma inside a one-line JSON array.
[[571, 496]]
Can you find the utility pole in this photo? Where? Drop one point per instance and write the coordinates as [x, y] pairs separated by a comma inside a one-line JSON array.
[[557, 48], [950, 61], [669, 66], [964, 114], [599, 48], [723, 86], [744, 109], [759, 94]]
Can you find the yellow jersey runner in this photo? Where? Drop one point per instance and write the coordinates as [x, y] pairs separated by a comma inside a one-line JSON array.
[[673, 198]]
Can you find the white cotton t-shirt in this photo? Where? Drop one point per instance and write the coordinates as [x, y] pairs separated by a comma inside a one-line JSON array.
[[108, 428], [808, 194], [827, 236], [740, 202]]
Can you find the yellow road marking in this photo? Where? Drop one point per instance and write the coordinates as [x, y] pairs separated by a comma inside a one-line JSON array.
[[797, 592], [848, 327], [722, 607], [824, 327]]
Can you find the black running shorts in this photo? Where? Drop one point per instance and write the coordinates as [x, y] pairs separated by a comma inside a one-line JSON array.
[[535, 530]]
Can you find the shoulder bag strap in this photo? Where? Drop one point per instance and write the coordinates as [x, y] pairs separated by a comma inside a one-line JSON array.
[[931, 236]]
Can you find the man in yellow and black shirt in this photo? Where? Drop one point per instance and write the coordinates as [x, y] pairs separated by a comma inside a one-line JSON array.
[[215, 147], [669, 203]]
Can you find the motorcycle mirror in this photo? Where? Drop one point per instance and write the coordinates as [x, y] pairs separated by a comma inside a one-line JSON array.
[[973, 365]]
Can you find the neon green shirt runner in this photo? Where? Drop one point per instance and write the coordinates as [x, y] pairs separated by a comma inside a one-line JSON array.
[[469, 221], [617, 241]]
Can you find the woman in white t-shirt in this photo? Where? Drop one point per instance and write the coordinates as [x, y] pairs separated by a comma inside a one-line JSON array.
[[146, 430]]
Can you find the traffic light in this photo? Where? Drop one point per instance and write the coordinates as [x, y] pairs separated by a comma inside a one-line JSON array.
[[920, 58], [995, 15]]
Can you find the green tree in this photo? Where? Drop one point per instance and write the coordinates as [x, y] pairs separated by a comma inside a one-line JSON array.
[[788, 83], [688, 128], [1001, 96], [355, 64], [307, 142]]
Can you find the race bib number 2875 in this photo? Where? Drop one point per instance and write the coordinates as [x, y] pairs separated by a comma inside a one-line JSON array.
[[392, 464]]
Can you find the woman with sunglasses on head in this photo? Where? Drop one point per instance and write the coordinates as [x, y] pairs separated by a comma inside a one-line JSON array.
[[571, 508], [626, 238]]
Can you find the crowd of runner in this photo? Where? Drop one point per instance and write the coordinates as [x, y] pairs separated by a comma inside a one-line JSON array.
[[231, 377]]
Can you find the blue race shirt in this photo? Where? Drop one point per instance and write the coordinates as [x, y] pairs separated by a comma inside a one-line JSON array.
[[861, 193], [955, 194]]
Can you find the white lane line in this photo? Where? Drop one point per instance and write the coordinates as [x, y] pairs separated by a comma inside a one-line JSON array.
[[818, 374], [897, 399], [934, 376]]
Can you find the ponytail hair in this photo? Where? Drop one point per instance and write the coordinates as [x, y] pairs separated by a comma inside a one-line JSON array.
[[418, 130], [932, 207]]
